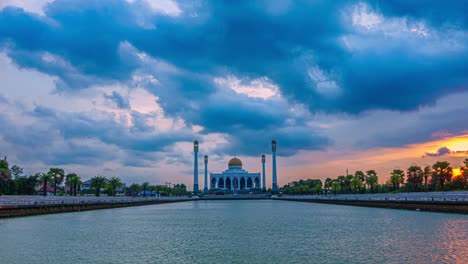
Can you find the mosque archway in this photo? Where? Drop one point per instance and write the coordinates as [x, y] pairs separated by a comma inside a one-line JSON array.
[[228, 183], [235, 182], [242, 183], [257, 183], [221, 183], [213, 183], [249, 183]]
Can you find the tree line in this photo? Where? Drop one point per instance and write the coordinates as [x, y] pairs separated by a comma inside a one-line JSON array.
[[438, 177], [13, 182]]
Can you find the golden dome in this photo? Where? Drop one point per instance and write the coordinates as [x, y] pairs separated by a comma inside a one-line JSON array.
[[235, 162]]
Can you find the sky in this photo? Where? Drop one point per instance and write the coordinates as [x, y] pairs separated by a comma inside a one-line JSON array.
[[123, 88]]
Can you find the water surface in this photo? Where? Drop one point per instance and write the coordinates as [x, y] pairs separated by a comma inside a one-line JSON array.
[[253, 231]]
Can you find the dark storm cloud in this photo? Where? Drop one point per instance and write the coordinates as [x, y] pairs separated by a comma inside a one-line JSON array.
[[86, 34], [256, 142], [230, 112], [247, 39], [440, 152], [84, 125], [81, 138], [80, 153], [414, 127]]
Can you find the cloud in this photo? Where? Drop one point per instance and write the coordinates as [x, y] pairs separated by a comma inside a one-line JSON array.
[[210, 66], [119, 100], [143, 80], [440, 152], [436, 13], [259, 88], [36, 6], [248, 46], [103, 126]]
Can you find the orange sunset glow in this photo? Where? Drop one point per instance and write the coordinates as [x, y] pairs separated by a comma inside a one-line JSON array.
[[383, 160]]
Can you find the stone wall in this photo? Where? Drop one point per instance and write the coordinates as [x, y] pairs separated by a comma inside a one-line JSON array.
[[434, 206], [15, 211]]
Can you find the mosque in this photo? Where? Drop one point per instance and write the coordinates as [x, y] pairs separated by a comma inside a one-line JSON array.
[[235, 178]]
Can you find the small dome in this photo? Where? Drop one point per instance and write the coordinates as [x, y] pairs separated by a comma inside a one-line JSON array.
[[235, 162]]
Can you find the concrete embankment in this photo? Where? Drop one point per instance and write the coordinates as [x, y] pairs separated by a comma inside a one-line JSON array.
[[230, 197], [431, 206], [16, 211]]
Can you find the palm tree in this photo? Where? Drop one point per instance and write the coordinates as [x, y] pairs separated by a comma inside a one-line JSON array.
[[328, 183], [98, 182], [356, 183], [402, 179], [113, 184], [76, 182], [335, 185], [68, 181], [464, 170], [360, 175], [347, 182], [144, 187], [5, 172], [442, 173], [396, 177], [371, 179], [44, 178], [415, 177], [341, 180], [134, 189], [17, 171], [72, 180], [426, 173], [57, 175], [180, 189]]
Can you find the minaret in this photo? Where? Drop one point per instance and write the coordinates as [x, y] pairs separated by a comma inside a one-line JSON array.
[[275, 177], [263, 173], [206, 174], [195, 166]]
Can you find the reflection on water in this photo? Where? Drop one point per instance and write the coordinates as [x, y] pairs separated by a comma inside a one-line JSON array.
[[453, 241], [236, 232]]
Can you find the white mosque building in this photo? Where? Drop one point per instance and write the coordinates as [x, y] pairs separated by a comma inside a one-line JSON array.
[[235, 178]]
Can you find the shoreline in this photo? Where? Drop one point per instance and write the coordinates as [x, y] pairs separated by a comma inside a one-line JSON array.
[[452, 207], [31, 210]]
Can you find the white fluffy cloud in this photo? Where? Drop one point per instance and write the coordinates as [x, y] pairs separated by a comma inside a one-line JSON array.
[[257, 88], [32, 6]]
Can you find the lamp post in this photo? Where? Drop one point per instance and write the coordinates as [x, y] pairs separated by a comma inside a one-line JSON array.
[[206, 174], [275, 177], [195, 166], [263, 173]]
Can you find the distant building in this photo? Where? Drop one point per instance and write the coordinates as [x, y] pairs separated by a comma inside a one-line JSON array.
[[49, 190], [149, 193], [86, 185], [87, 189]]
